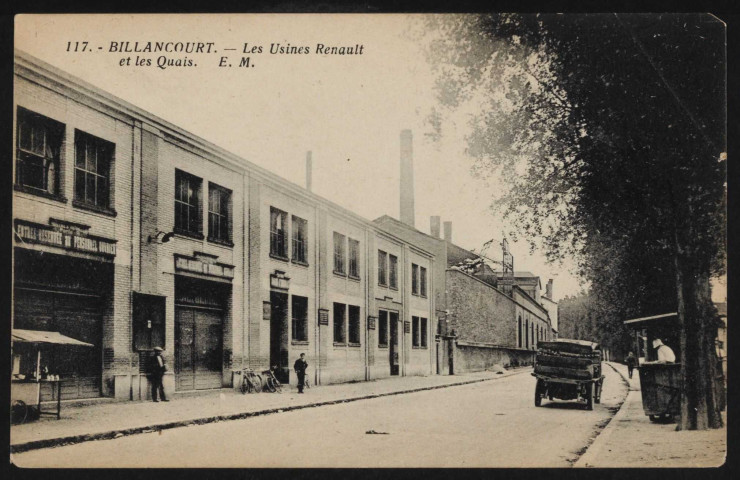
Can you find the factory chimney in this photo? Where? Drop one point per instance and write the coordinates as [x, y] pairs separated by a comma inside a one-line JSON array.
[[548, 289], [434, 225], [448, 231], [309, 170], [407, 179]]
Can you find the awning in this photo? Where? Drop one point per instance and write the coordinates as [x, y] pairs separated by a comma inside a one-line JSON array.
[[43, 337], [665, 318]]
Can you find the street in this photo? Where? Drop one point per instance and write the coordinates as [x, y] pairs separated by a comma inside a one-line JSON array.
[[487, 424]]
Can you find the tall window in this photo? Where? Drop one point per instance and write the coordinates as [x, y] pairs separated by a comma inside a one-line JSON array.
[[300, 240], [414, 279], [219, 213], [415, 331], [382, 328], [423, 324], [354, 324], [187, 203], [39, 145], [278, 233], [93, 159], [340, 253], [340, 328], [354, 258], [393, 271], [382, 268], [422, 281], [519, 343], [300, 318]]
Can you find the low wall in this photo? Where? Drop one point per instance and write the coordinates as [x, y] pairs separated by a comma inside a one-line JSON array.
[[475, 358]]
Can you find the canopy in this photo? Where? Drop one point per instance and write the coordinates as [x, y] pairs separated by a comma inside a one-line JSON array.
[[43, 337], [665, 319]]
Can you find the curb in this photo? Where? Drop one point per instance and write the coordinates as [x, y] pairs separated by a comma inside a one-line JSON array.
[[80, 438], [595, 446]]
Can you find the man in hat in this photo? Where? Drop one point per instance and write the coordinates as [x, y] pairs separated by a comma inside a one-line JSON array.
[[158, 370], [300, 367], [665, 353], [631, 363]]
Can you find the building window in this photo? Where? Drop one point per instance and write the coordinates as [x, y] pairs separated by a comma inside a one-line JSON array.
[[393, 272], [382, 328], [519, 330], [526, 333], [415, 332], [219, 213], [278, 233], [39, 145], [414, 279], [300, 318], [354, 324], [354, 258], [187, 203], [423, 324], [300, 240], [422, 281], [382, 268], [93, 160], [340, 253], [340, 328]]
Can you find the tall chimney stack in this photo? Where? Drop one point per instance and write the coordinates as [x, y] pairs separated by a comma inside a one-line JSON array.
[[407, 178], [448, 231], [548, 289], [309, 170], [434, 225]]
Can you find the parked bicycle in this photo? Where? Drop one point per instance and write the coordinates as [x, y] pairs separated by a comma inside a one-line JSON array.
[[271, 382], [251, 381]]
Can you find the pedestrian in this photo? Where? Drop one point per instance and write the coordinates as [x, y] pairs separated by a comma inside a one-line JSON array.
[[300, 367], [631, 363], [158, 370], [665, 353]]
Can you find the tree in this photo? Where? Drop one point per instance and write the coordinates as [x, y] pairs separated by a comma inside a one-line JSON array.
[[607, 132]]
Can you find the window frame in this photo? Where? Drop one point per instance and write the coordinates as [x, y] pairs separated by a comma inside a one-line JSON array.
[[354, 337], [340, 327], [382, 268], [51, 160], [423, 332], [392, 272], [422, 282], [299, 324], [224, 217], [180, 176], [353, 251], [414, 279], [383, 328], [415, 334], [299, 246], [340, 254], [278, 236], [103, 148]]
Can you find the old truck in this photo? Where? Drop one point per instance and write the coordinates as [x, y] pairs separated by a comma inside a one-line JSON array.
[[568, 370]]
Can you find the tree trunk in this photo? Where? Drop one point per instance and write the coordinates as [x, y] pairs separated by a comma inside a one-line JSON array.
[[698, 329]]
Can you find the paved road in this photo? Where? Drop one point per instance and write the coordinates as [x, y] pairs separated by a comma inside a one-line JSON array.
[[488, 424]]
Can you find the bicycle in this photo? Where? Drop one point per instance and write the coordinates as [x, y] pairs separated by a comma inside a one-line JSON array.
[[271, 382], [251, 382]]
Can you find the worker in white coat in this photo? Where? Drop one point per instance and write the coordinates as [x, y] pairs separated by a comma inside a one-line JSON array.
[[665, 353]]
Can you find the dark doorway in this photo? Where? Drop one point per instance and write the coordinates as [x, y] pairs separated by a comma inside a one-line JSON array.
[[393, 351], [279, 335], [451, 355]]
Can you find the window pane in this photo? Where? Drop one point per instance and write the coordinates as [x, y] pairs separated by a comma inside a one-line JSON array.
[[354, 324], [393, 271], [90, 188], [423, 281], [24, 134], [382, 327], [339, 321], [382, 267], [102, 195], [38, 136], [414, 279]]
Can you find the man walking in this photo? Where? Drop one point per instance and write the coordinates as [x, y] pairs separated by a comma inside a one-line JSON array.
[[300, 367], [158, 370], [631, 363]]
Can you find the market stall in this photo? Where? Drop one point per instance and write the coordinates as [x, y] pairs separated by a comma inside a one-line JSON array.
[[26, 382]]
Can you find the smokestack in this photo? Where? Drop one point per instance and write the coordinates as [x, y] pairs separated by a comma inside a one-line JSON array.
[[548, 289], [448, 231], [407, 178], [434, 225], [309, 170]]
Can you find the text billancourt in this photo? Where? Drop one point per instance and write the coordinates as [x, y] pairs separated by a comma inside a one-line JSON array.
[[209, 47]]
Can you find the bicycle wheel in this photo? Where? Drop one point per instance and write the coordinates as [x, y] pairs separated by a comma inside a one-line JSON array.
[[257, 383], [270, 384], [277, 385], [245, 388]]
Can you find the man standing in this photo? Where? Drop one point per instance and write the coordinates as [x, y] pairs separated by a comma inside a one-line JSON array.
[[631, 363], [158, 370], [300, 367], [665, 353]]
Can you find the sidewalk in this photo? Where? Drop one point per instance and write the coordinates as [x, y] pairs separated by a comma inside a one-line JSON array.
[[632, 440], [111, 420]]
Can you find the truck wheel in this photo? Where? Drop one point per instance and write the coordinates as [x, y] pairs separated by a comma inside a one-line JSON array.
[[538, 394], [590, 397]]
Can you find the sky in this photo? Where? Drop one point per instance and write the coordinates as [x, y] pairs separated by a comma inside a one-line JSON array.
[[348, 110]]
